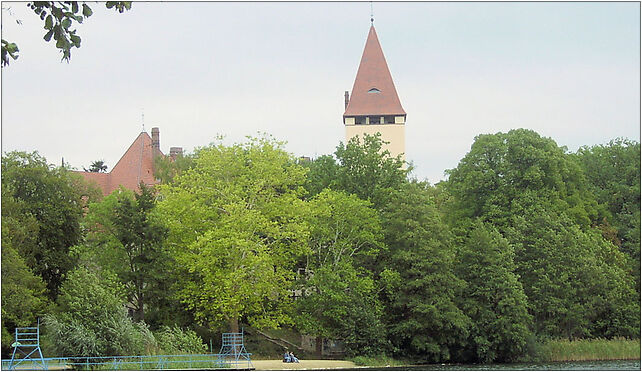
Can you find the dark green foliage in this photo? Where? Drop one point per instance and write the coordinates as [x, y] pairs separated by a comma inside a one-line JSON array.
[[504, 174], [576, 282], [59, 18], [97, 166], [423, 320], [127, 238], [340, 303], [537, 196], [52, 197], [493, 298], [613, 173], [322, 174], [141, 238]]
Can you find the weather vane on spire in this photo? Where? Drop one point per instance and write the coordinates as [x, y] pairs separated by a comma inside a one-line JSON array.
[[371, 15], [143, 117]]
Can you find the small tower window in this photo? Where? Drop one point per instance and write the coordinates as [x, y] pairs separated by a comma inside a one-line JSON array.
[[374, 90]]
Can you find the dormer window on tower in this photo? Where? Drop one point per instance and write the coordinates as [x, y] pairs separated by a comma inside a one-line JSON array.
[[374, 90]]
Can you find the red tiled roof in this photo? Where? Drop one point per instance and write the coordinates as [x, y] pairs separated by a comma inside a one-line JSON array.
[[136, 165], [373, 73]]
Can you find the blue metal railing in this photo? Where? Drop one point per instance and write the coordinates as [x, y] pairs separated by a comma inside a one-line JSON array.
[[139, 362]]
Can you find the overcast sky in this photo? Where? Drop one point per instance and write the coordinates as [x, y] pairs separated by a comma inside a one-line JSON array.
[[570, 71]]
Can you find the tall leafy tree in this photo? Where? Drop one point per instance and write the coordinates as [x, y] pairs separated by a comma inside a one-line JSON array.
[[367, 170], [613, 172], [505, 173], [236, 228], [493, 297], [418, 277], [24, 296], [51, 196], [126, 237], [576, 282], [537, 196], [339, 300]]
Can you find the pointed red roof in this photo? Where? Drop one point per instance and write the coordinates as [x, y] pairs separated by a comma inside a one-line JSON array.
[[136, 165], [373, 92]]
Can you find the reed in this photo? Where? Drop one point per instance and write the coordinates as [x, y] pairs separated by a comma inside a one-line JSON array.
[[588, 349]]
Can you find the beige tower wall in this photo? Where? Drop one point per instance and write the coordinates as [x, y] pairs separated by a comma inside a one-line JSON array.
[[393, 133]]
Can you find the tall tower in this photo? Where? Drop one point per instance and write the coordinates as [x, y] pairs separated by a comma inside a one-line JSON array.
[[374, 105]]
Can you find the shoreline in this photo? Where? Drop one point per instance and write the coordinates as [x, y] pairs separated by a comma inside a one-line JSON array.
[[325, 364]]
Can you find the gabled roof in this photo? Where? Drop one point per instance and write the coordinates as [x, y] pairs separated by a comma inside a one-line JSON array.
[[373, 75], [136, 165]]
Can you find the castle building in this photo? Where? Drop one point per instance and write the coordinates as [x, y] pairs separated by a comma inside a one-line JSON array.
[[374, 105], [135, 166]]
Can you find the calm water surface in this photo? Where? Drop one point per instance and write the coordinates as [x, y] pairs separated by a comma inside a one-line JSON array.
[[606, 365]]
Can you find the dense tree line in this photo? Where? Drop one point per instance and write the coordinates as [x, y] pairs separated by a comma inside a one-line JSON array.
[[524, 241]]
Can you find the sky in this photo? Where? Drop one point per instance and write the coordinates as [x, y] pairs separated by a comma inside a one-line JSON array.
[[196, 70]]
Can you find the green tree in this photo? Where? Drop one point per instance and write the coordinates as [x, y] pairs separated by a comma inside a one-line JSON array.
[[493, 298], [538, 198], [366, 170], [418, 278], [23, 293], [322, 174], [97, 166], [127, 238], [576, 282], [613, 172], [52, 196], [236, 230], [505, 173], [339, 300], [59, 18]]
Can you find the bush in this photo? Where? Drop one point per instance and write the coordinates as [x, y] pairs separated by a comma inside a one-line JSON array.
[[175, 340], [93, 320]]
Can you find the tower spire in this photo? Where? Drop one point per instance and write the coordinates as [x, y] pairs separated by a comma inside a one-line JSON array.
[[374, 91]]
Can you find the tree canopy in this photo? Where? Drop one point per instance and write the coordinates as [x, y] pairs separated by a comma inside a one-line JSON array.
[[236, 226]]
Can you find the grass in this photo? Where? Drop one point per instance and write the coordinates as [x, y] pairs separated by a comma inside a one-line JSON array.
[[378, 361], [590, 349]]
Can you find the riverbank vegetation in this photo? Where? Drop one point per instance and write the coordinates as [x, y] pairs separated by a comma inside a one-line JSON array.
[[588, 349], [523, 241]]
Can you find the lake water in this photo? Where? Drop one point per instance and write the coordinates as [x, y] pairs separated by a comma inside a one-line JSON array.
[[605, 365]]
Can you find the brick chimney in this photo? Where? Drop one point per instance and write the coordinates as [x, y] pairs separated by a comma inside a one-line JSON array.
[[156, 141], [347, 99], [175, 151]]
